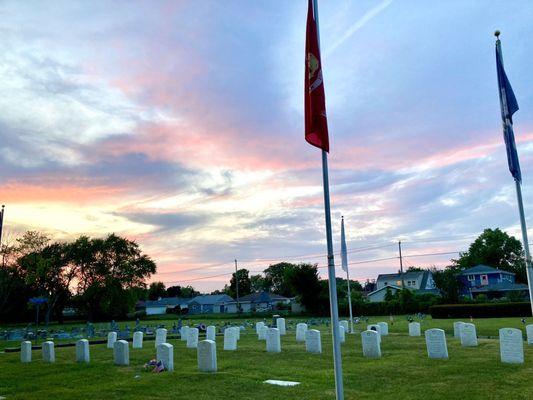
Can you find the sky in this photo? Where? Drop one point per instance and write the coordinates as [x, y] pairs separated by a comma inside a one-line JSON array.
[[180, 125]]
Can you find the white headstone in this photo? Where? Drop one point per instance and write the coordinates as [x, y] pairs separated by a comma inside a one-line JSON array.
[[436, 343], [192, 339], [258, 326], [82, 351], [137, 340], [414, 329], [211, 333], [25, 352], [371, 344], [207, 356], [511, 346], [184, 333], [346, 325], [342, 334], [313, 343], [384, 328], [111, 339], [468, 335], [121, 353], [457, 329], [230, 339], [49, 355], [160, 336], [237, 332], [376, 328], [301, 328], [263, 332], [273, 340], [165, 354], [529, 332], [280, 324]]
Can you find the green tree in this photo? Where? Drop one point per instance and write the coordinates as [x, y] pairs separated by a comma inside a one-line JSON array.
[[156, 290], [275, 278], [242, 276], [303, 281], [258, 284], [447, 283], [497, 249]]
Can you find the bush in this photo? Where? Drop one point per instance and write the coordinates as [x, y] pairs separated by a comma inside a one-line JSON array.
[[485, 310]]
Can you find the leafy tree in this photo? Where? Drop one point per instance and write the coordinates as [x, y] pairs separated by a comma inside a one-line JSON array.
[[243, 278], [497, 249], [275, 278], [447, 283], [189, 292], [258, 284], [389, 296], [156, 290], [303, 281]]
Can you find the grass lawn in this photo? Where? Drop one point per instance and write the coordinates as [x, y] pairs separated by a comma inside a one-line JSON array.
[[404, 371]]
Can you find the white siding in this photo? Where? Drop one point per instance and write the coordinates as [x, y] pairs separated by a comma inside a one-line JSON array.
[[156, 310]]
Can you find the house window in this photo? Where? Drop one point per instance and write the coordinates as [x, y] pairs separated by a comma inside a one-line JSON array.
[[471, 278], [484, 279], [398, 283]]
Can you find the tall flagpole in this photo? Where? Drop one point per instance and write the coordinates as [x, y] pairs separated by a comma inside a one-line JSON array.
[[508, 130], [337, 360], [1, 224]]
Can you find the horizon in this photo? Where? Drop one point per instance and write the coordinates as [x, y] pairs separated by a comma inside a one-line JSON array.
[[180, 126]]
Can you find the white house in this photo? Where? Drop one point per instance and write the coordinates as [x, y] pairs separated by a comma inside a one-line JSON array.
[[418, 281]]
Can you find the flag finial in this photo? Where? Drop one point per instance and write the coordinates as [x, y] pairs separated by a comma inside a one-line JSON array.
[[497, 34]]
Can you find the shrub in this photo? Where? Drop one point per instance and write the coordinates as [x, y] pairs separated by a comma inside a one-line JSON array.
[[485, 310]]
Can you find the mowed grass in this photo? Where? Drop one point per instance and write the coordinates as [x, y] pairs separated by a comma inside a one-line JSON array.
[[404, 371]]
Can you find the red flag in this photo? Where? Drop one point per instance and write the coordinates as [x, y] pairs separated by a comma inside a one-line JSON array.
[[316, 123]]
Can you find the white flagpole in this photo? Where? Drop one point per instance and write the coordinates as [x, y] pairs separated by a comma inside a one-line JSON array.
[[344, 257], [337, 360], [508, 125]]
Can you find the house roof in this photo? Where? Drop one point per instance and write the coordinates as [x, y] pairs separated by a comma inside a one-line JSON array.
[[499, 287], [262, 297], [384, 288], [167, 301], [406, 275], [483, 269], [212, 299]]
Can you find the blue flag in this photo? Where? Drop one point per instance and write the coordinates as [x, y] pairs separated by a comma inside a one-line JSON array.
[[509, 106]]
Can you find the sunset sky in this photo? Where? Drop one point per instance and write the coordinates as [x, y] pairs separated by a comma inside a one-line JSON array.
[[180, 125]]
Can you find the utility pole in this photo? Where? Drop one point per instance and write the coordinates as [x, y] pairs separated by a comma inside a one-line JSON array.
[[237, 287], [401, 262], [1, 224]]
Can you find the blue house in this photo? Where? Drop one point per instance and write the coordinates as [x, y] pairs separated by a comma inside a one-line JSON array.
[[492, 282], [212, 303]]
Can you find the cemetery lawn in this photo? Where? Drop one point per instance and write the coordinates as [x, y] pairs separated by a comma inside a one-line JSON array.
[[404, 371]]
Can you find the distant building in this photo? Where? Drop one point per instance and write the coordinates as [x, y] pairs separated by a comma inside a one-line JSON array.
[[261, 302], [160, 306], [492, 282], [417, 281], [212, 304]]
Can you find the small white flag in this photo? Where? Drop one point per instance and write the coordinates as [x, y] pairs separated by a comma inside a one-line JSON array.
[[344, 253]]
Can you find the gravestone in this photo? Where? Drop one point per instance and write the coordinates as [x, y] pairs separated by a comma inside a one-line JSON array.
[[468, 335], [111, 339], [184, 333], [529, 332], [280, 324], [371, 344], [376, 328], [414, 329], [383, 328], [263, 332], [211, 333], [273, 340], [207, 356], [121, 353], [301, 329], [313, 342], [511, 346], [342, 334], [457, 326], [165, 354], [258, 326], [192, 339], [436, 343], [237, 332], [160, 336], [25, 351], [137, 340], [82, 351], [230, 339], [49, 354], [346, 325]]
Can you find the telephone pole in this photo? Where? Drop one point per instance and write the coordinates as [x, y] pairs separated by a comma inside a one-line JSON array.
[[1, 224], [237, 287], [401, 262]]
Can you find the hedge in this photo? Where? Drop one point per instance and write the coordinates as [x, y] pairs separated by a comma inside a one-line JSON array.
[[483, 310]]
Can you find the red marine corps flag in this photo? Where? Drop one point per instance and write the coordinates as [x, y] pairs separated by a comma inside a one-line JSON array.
[[316, 123]]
